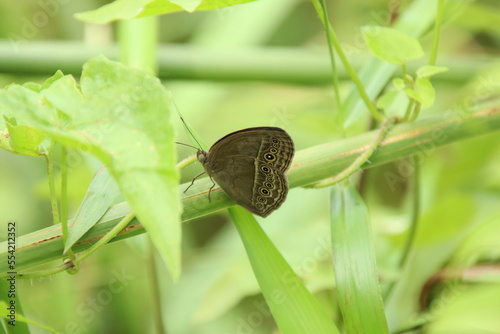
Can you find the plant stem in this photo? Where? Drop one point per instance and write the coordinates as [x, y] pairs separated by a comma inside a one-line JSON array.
[[64, 200], [48, 272], [155, 289], [350, 70], [437, 32], [361, 159], [186, 162], [52, 188], [412, 233], [409, 108], [107, 237], [335, 77], [138, 42]]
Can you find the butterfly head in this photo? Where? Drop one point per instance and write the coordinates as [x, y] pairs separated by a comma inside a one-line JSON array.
[[202, 156]]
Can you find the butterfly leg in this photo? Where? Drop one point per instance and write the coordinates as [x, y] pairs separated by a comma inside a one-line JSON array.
[[194, 178], [210, 190]]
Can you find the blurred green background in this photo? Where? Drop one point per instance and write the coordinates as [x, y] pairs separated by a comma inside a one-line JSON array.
[[460, 183]]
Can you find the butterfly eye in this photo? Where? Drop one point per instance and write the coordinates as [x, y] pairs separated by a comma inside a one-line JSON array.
[[261, 199], [273, 150], [264, 191], [269, 185], [269, 157], [275, 141]]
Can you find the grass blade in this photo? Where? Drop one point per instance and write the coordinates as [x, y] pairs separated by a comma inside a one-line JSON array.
[[294, 308], [355, 265]]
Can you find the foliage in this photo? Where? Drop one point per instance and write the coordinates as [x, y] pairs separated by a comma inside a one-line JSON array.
[[413, 238]]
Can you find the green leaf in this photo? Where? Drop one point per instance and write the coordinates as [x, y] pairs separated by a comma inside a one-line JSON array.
[[423, 92], [392, 45], [101, 193], [116, 10], [124, 120], [355, 264], [58, 75], [294, 308], [65, 95], [128, 9], [430, 70], [387, 99], [23, 139], [158, 7], [399, 83]]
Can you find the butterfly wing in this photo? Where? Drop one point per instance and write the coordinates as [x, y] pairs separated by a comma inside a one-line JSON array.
[[250, 166]]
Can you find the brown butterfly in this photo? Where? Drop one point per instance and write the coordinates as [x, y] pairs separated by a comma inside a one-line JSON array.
[[250, 165]]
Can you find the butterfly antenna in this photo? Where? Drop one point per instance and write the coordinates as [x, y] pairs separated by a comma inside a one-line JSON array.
[[196, 148], [185, 124]]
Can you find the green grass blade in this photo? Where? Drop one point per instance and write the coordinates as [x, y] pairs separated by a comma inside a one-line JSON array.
[[294, 308], [355, 264]]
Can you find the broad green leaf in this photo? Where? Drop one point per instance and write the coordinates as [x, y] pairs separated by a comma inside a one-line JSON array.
[[124, 121], [128, 9], [116, 10], [23, 139], [295, 310], [65, 95], [33, 86], [58, 75], [100, 195], [158, 7], [429, 70], [392, 45], [423, 92], [354, 263]]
